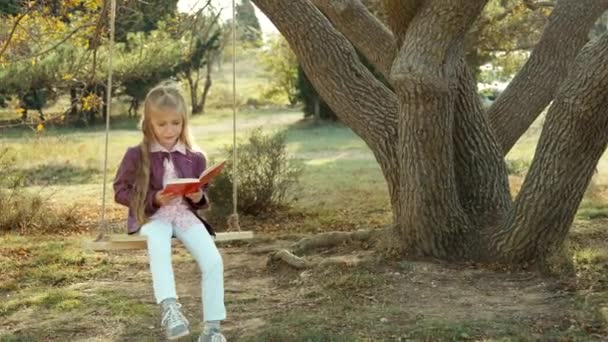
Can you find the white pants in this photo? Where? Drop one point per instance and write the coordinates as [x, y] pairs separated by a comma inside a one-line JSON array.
[[201, 246]]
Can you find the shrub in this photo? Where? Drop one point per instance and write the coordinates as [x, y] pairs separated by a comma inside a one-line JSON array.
[[517, 167], [220, 96], [23, 211], [265, 174]]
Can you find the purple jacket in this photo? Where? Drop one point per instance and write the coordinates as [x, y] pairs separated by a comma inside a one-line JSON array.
[[189, 165]]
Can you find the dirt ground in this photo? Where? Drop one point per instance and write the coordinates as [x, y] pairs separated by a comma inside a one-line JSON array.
[[370, 302]]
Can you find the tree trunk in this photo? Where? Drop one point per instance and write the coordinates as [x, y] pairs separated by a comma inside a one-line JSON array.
[[431, 219], [73, 102], [102, 93], [317, 106], [208, 84], [193, 86]]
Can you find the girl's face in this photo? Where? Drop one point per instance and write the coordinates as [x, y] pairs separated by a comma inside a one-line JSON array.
[[167, 126]]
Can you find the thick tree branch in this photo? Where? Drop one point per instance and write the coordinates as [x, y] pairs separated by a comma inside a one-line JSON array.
[[331, 63], [95, 40], [363, 29], [14, 28], [400, 14], [534, 86], [574, 137], [443, 24]]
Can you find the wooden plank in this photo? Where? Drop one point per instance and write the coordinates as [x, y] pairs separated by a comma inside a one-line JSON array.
[[231, 236], [117, 242]]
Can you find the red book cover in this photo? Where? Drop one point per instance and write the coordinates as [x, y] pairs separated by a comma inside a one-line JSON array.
[[185, 186]]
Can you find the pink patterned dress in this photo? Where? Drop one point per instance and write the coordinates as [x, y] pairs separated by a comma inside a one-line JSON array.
[[176, 212]]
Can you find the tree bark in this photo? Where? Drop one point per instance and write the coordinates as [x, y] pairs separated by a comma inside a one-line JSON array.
[[193, 85], [399, 15], [573, 139], [206, 88], [486, 199], [73, 102], [481, 175], [533, 88], [431, 219], [376, 42]]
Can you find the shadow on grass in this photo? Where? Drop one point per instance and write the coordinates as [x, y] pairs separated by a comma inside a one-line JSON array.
[[53, 174], [121, 122]]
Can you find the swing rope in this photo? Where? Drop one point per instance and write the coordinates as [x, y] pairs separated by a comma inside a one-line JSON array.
[[233, 220], [103, 225]]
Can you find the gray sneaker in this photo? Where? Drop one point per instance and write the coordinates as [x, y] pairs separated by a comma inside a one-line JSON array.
[[174, 322], [211, 335]]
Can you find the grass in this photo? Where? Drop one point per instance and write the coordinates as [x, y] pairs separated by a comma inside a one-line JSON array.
[[36, 262], [592, 209], [120, 305], [53, 299], [51, 281]]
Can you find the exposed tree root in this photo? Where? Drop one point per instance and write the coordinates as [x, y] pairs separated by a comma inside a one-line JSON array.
[[324, 240], [330, 239], [290, 259]]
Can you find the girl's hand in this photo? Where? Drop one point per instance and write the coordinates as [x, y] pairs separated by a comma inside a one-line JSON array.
[[163, 199], [196, 196]]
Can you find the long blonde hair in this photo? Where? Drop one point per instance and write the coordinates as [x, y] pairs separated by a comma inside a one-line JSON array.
[[164, 96]]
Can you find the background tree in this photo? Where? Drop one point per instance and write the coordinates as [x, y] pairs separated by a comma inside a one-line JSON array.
[[10, 7], [248, 25], [442, 157], [148, 59], [200, 34], [58, 47], [281, 65], [144, 56], [142, 16], [313, 103], [45, 48], [504, 34]]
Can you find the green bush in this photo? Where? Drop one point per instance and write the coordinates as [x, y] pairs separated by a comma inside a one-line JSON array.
[[517, 167], [265, 174], [220, 96], [24, 211]]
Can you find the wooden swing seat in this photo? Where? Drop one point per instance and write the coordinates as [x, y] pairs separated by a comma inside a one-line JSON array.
[[118, 242]]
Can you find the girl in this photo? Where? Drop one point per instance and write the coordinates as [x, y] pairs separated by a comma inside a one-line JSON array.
[[167, 151]]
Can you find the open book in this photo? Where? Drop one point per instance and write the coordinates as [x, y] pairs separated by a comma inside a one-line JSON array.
[[185, 186]]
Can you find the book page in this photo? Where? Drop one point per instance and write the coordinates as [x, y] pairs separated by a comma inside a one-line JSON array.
[[182, 181]]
